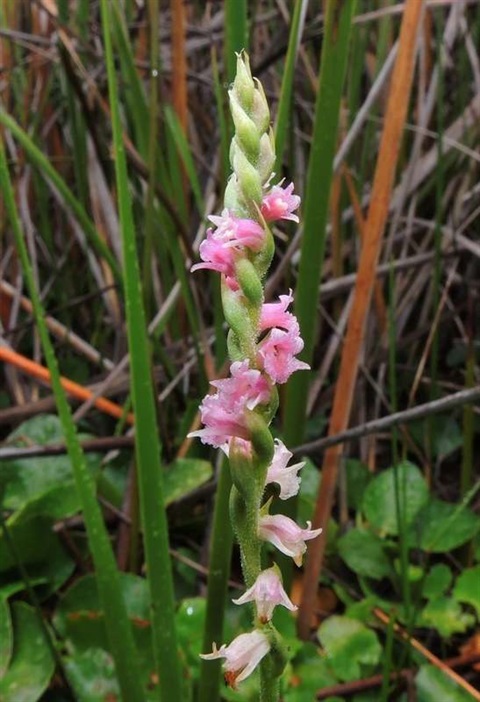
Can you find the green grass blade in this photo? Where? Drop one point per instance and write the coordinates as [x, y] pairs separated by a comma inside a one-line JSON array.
[[42, 163], [135, 97], [338, 22], [236, 33], [183, 149], [285, 101], [147, 444], [118, 626], [218, 574]]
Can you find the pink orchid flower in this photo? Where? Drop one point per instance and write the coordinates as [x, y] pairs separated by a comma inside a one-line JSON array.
[[285, 476], [280, 203], [224, 413], [286, 535], [267, 592], [241, 657]]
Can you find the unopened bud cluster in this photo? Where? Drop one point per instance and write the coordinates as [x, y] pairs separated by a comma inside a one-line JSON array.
[[263, 342]]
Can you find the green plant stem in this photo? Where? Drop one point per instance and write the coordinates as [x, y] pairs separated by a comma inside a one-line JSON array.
[[147, 444], [269, 682], [218, 574], [119, 629]]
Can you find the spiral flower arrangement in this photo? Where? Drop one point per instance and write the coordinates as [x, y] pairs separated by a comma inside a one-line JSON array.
[[263, 341]]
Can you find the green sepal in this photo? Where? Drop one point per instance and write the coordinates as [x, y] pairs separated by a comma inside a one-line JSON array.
[[250, 284], [260, 111], [266, 156], [263, 258], [262, 441], [246, 131], [243, 470], [235, 352], [231, 199], [239, 320], [249, 182], [243, 85]]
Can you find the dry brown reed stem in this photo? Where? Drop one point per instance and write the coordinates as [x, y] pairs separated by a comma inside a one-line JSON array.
[[431, 658], [59, 330], [395, 116], [356, 686], [35, 370]]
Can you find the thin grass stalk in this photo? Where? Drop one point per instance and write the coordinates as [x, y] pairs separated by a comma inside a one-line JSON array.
[[338, 22], [388, 658], [147, 444], [118, 626], [134, 91], [153, 114], [236, 33], [217, 585], [42, 163], [439, 193], [285, 99], [399, 489], [177, 133], [375, 225]]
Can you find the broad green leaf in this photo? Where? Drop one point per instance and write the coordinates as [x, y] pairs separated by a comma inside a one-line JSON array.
[[309, 485], [185, 475], [379, 500], [80, 620], [357, 478], [434, 686], [32, 479], [40, 550], [91, 675], [441, 526], [352, 649], [437, 581], [446, 435], [32, 664], [446, 616], [303, 679], [363, 552], [190, 619], [6, 636], [81, 604], [467, 588], [58, 502]]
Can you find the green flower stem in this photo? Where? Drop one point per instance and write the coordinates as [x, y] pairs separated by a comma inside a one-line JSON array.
[[269, 682], [147, 444], [219, 569], [119, 629]]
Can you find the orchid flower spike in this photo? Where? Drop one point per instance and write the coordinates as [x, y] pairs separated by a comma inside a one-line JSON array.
[[241, 656], [267, 592]]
